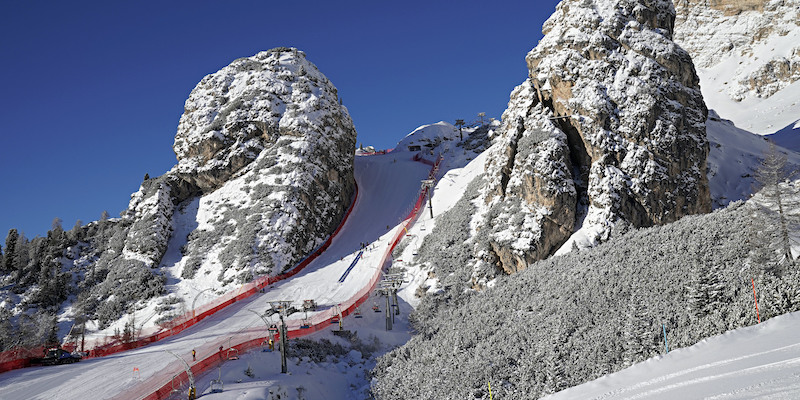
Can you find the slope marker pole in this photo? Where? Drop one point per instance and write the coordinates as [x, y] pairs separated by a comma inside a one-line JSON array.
[[665, 337], [758, 316]]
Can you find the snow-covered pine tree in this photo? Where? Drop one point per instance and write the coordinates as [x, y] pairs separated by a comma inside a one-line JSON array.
[[11, 245], [706, 290], [638, 333], [777, 212]]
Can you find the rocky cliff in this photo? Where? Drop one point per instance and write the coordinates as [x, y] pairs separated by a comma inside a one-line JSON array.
[[765, 33], [264, 174], [608, 129]]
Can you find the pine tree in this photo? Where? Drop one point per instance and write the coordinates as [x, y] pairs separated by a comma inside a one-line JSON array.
[[707, 289], [778, 211], [6, 329], [8, 265], [460, 125], [20, 257], [638, 333], [554, 371]]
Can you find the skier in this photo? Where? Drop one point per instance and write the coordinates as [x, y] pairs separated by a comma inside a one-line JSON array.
[[193, 355]]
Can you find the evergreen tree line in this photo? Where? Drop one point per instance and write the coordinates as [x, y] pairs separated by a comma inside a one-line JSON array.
[[573, 318], [81, 268]]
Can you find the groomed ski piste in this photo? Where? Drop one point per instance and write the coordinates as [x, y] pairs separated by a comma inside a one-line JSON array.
[[756, 362], [388, 184]]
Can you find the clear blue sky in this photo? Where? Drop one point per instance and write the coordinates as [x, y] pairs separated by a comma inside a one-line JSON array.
[[92, 90]]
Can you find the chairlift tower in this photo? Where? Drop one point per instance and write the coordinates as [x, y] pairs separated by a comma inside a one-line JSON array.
[[429, 184], [283, 309], [388, 288]]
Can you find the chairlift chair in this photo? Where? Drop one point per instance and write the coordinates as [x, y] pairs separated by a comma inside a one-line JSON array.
[[306, 324], [216, 386], [376, 308], [233, 354], [358, 313]]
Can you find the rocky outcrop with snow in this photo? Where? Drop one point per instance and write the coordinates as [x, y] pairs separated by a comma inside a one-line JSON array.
[[264, 175], [763, 33], [747, 55], [609, 128]]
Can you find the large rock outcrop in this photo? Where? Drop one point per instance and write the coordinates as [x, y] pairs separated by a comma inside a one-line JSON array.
[[608, 129], [264, 174]]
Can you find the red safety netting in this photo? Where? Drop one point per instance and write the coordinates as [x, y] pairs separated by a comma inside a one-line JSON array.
[[158, 387], [105, 345]]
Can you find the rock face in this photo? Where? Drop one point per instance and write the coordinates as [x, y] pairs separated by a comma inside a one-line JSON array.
[[765, 33], [608, 129], [265, 171]]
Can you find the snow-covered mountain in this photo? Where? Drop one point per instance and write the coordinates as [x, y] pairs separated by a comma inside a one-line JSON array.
[[609, 132], [747, 54], [264, 174], [586, 312]]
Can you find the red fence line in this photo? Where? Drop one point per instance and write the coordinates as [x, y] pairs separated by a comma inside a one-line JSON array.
[[326, 317], [188, 319]]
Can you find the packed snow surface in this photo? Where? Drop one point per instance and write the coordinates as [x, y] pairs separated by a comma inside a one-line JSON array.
[[757, 362], [388, 187]]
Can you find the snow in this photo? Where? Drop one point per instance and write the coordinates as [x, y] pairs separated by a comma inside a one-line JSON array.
[[388, 185], [734, 156], [735, 49], [760, 361], [446, 193]]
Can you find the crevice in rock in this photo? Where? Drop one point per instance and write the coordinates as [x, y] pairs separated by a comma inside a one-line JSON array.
[[511, 155], [580, 161]]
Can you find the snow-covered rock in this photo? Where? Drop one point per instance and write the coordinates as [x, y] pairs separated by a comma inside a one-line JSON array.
[[748, 58], [713, 31], [264, 175], [609, 127]]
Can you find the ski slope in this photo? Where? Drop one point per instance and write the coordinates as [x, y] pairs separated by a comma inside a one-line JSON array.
[[757, 362], [388, 187]]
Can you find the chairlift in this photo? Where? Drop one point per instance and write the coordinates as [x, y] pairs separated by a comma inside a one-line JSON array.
[[233, 354], [376, 308], [216, 386], [176, 388], [358, 313], [335, 319], [306, 324], [273, 329]]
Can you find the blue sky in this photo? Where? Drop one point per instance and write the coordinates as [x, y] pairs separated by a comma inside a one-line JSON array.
[[92, 90]]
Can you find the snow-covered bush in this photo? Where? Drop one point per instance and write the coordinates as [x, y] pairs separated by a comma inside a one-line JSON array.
[[572, 318]]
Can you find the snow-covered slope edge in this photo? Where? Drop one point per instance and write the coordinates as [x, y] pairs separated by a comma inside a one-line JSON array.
[[747, 363]]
